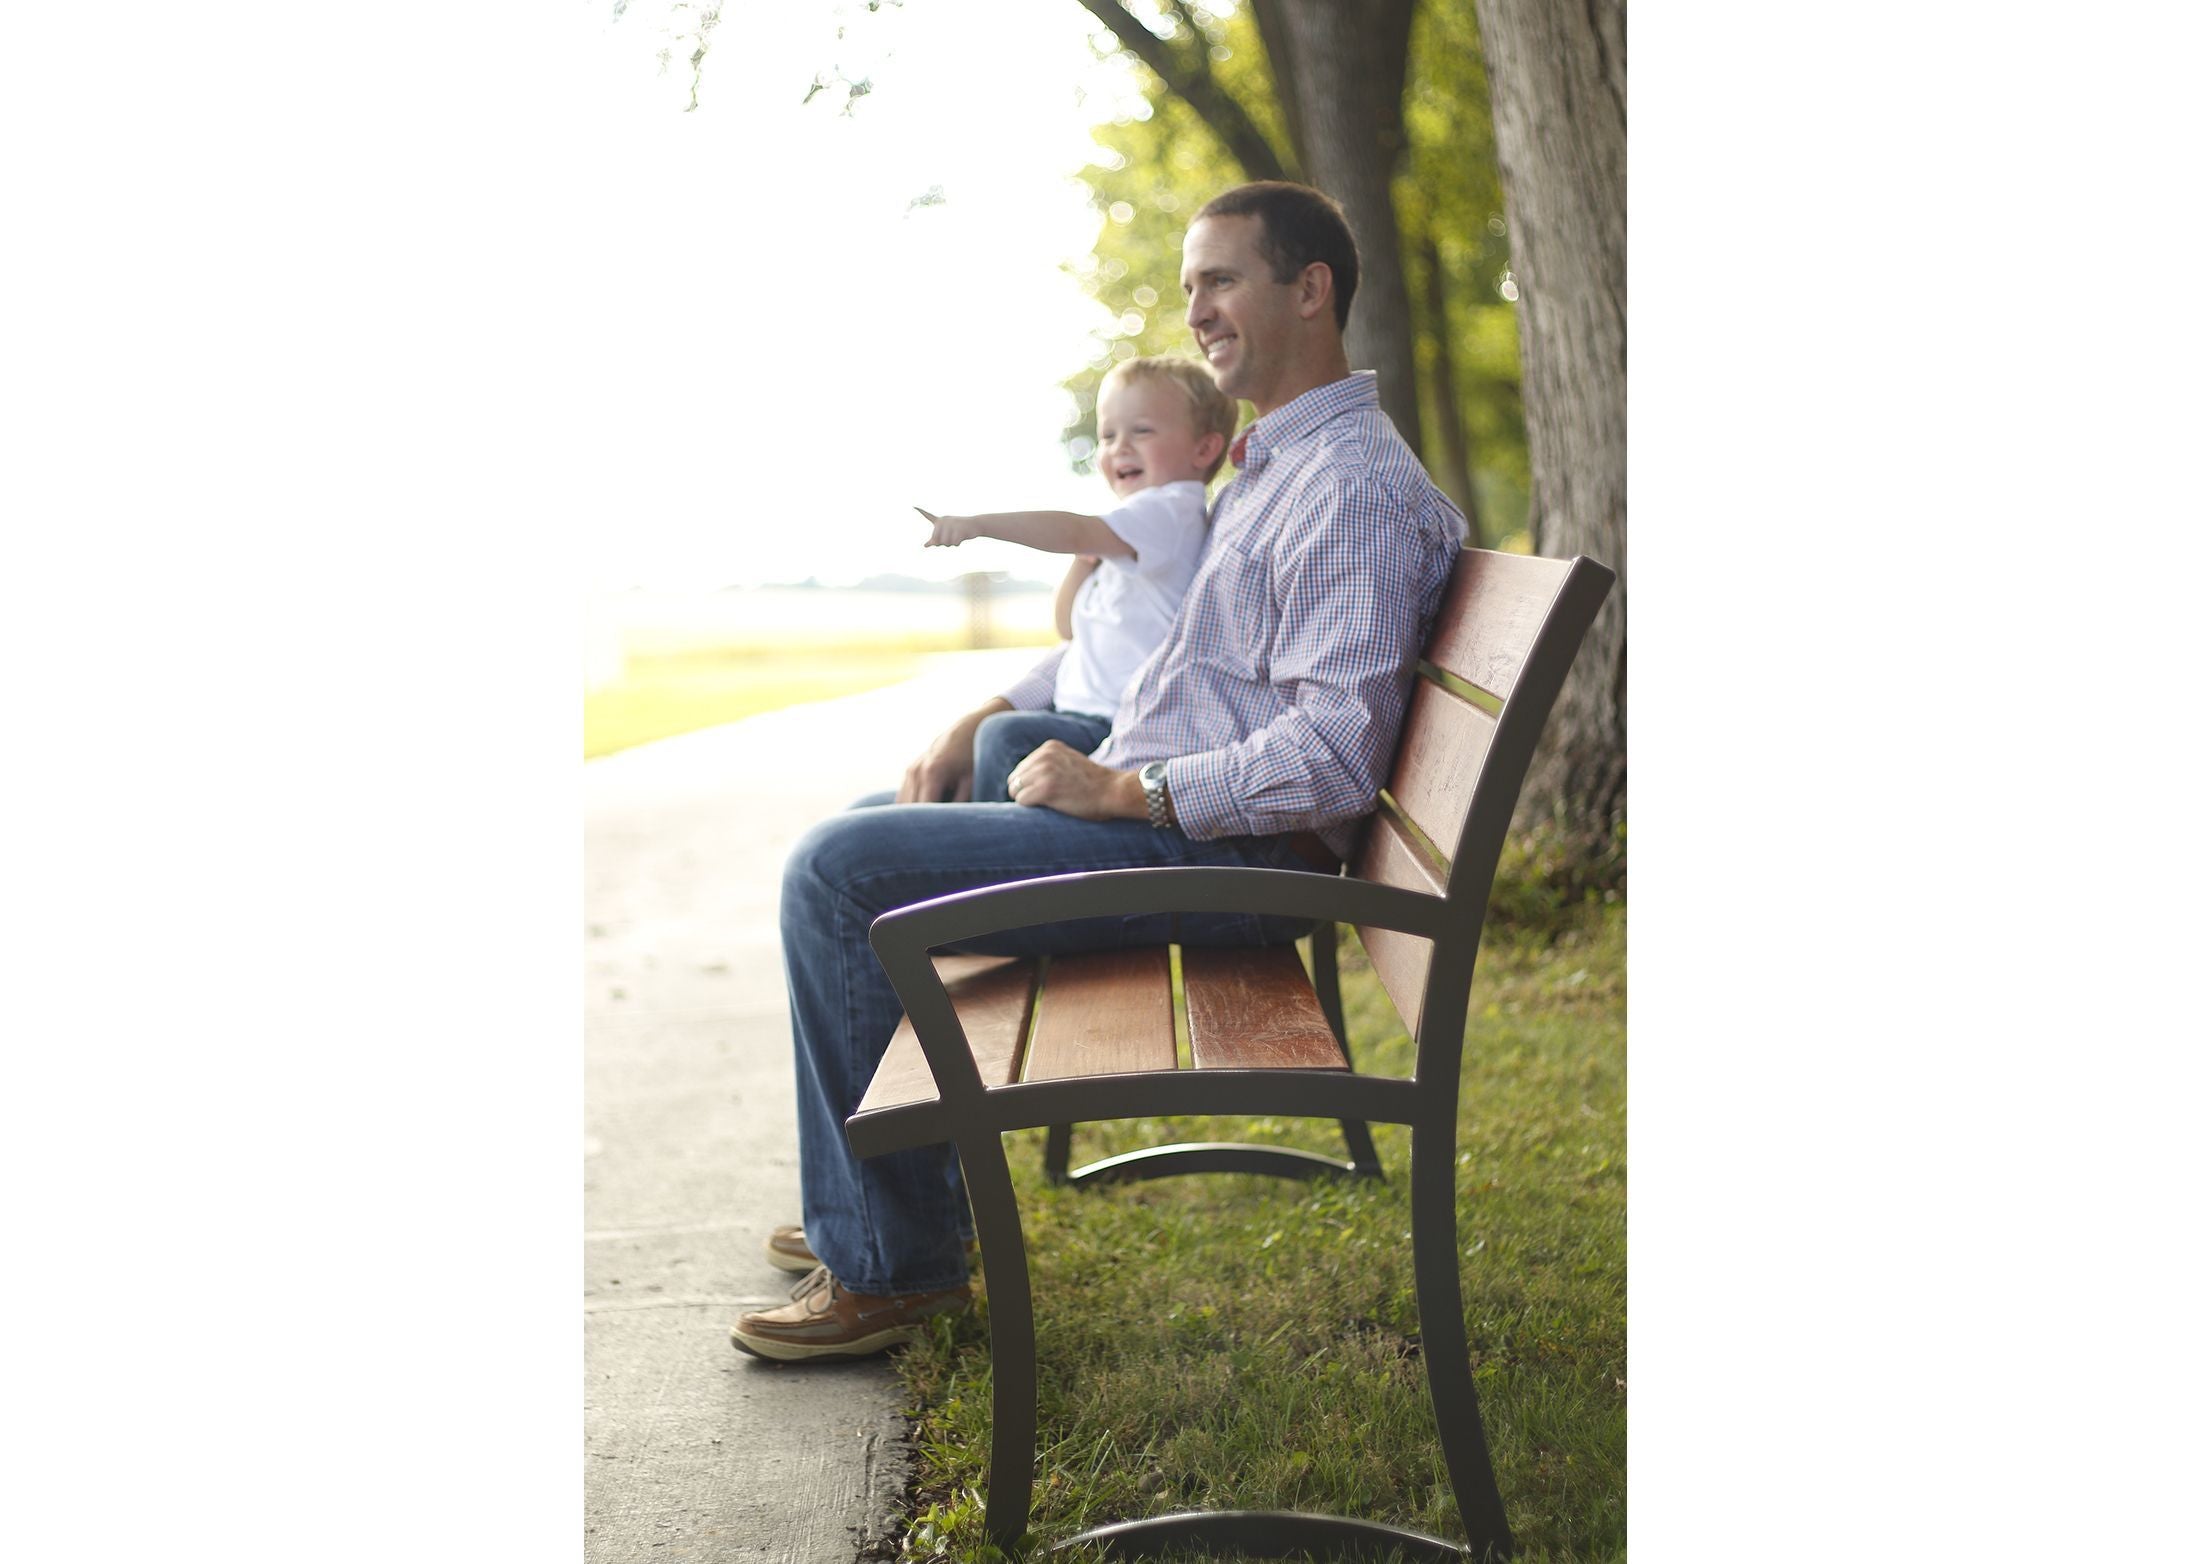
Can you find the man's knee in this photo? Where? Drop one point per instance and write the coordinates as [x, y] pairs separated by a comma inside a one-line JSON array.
[[819, 859], [1001, 740], [837, 853], [1004, 730]]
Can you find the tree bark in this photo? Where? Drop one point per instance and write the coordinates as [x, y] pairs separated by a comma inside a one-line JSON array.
[[1282, 64], [1454, 465], [1559, 88], [1348, 64]]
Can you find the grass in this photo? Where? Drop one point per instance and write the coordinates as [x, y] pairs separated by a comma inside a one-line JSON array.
[[663, 694], [1242, 1342], [659, 697]]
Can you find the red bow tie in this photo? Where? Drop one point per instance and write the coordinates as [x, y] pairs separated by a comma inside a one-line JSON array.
[[1236, 451]]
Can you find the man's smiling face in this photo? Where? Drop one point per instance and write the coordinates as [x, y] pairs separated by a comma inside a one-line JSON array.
[[1242, 318]]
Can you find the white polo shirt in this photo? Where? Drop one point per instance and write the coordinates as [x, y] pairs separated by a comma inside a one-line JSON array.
[[1123, 611]]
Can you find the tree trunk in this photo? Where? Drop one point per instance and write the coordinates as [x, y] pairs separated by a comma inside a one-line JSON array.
[[1559, 87], [1454, 465], [1347, 67], [1282, 64]]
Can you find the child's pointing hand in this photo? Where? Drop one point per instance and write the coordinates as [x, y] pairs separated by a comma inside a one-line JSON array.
[[946, 531]]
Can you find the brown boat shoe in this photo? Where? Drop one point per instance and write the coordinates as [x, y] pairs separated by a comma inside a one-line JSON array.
[[787, 1251], [825, 1322]]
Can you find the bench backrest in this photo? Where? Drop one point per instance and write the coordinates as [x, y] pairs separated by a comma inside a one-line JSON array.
[[1504, 638]]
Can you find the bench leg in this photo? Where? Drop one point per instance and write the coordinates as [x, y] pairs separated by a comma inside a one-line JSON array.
[[1444, 1347], [998, 1231], [1358, 1144], [1056, 1152], [1360, 1147]]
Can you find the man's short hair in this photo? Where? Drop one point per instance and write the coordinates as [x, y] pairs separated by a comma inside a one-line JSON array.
[[1211, 412], [1298, 226]]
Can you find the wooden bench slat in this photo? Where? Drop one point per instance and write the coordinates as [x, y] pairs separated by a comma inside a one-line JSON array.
[[1492, 611], [991, 995], [1440, 756], [1390, 855], [1109, 1013], [1255, 1010]]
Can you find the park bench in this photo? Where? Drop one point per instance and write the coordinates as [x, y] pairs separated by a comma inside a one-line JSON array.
[[988, 1045]]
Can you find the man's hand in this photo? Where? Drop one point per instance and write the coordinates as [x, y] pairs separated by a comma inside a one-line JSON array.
[[947, 531], [945, 771], [1056, 777]]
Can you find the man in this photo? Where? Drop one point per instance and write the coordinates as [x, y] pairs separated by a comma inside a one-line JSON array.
[[1256, 736]]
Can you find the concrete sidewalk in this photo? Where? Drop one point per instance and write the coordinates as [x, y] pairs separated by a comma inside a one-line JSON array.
[[692, 1449]]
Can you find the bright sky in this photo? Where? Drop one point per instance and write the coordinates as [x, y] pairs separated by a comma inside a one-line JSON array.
[[792, 353]]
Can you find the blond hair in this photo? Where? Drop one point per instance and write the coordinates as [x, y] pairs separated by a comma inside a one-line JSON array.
[[1210, 411]]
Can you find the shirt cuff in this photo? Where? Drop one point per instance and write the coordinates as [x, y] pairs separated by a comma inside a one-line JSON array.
[[1202, 794]]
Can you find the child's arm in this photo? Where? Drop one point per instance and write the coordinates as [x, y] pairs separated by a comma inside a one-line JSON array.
[[1054, 531], [1063, 606]]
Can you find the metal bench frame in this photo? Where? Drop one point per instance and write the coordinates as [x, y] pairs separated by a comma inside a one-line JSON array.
[[973, 1117]]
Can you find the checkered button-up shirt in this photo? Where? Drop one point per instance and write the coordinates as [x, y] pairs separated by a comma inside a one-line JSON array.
[[1277, 695]]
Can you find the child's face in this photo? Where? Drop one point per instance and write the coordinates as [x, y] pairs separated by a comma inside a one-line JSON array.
[[1146, 438]]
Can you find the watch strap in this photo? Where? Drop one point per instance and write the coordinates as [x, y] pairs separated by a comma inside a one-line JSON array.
[[1154, 779]]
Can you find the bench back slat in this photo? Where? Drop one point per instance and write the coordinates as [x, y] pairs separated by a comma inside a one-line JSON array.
[[1440, 756], [1391, 856], [1106, 1014], [1493, 607], [1503, 615], [1255, 1010]]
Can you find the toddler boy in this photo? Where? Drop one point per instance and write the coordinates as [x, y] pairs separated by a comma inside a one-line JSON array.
[[1163, 429]]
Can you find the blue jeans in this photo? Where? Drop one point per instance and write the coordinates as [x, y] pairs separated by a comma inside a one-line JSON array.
[[1006, 738], [894, 1224]]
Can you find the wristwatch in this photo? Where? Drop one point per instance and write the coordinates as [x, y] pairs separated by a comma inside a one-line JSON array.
[[1152, 777]]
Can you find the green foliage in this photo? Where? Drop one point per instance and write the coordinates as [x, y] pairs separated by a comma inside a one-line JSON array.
[[1246, 1342], [1545, 880], [1156, 168]]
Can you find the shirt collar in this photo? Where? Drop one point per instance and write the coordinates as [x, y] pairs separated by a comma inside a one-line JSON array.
[[1301, 416]]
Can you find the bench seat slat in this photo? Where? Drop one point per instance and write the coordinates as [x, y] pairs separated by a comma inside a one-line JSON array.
[[1108, 1013], [1255, 1010], [991, 995]]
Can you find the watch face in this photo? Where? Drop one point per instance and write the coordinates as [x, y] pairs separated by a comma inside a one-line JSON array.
[[1152, 773]]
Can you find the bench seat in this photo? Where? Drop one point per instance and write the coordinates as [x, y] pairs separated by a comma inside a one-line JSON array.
[[1112, 1013]]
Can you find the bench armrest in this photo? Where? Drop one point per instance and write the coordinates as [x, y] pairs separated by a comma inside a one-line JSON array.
[[1061, 898], [903, 938]]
